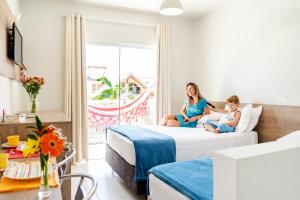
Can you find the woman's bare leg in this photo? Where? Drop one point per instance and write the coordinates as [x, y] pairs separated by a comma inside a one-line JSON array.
[[173, 123], [165, 119]]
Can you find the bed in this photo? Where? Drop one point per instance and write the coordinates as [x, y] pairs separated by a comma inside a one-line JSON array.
[[238, 173], [190, 143], [192, 179], [275, 121], [159, 189]]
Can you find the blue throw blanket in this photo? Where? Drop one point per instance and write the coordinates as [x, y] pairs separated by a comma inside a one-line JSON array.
[[193, 178], [151, 148]]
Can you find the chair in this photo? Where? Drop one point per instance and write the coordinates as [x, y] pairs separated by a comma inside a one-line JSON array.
[[81, 193], [62, 166]]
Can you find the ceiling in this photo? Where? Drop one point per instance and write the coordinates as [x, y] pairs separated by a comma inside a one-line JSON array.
[[192, 8]]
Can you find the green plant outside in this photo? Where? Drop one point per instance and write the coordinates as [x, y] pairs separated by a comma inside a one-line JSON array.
[[112, 92]]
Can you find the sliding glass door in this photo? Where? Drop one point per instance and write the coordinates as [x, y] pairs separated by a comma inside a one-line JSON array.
[[138, 75], [120, 86]]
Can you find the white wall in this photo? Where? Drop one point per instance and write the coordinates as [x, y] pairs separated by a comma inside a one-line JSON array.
[[12, 96], [11, 91], [14, 7], [5, 94], [250, 48], [42, 25]]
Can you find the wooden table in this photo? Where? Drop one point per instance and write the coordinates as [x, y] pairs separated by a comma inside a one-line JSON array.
[[29, 194], [57, 118]]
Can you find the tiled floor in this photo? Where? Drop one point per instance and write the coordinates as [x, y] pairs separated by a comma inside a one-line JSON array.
[[110, 186], [99, 148]]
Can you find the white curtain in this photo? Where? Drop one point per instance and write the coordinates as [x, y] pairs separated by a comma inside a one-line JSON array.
[[163, 99], [75, 83]]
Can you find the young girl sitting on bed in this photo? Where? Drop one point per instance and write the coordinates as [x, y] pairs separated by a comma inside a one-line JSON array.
[[229, 120], [194, 107]]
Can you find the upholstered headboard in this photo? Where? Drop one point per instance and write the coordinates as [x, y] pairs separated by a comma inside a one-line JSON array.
[[275, 120]]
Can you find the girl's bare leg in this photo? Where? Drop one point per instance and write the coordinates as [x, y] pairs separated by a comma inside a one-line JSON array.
[[217, 131], [209, 128]]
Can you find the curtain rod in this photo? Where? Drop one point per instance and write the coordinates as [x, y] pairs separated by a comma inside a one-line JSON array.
[[121, 22]]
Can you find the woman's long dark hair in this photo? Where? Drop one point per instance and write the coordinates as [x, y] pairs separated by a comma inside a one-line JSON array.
[[197, 92]]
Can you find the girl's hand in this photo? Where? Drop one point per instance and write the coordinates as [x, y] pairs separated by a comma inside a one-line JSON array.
[[193, 119]]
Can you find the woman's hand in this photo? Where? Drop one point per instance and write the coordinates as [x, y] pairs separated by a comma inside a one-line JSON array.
[[186, 119], [193, 119], [212, 108]]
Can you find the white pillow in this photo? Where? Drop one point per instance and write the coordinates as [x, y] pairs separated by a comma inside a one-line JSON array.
[[245, 118], [213, 116], [255, 113], [291, 136], [227, 108]]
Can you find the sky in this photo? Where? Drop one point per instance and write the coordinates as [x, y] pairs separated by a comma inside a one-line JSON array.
[[139, 61]]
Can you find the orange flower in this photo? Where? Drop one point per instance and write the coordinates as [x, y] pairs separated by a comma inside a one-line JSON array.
[[50, 143]]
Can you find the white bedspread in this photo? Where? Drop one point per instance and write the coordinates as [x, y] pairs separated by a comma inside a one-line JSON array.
[[190, 142]]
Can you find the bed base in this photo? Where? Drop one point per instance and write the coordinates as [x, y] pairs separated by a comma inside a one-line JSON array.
[[124, 170]]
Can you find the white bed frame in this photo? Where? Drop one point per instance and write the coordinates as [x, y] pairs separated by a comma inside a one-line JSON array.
[[266, 171], [261, 172]]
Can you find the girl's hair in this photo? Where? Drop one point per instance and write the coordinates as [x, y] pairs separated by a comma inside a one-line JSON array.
[[233, 99], [197, 91]]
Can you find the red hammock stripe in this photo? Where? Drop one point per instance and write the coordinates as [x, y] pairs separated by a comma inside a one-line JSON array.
[[123, 107]]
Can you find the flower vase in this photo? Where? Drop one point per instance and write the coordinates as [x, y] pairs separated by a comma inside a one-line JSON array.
[[44, 190], [33, 104]]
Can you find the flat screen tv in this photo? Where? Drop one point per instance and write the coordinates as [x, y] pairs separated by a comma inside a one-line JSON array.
[[15, 45]]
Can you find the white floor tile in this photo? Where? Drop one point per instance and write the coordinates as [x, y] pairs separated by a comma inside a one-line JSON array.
[[110, 186]]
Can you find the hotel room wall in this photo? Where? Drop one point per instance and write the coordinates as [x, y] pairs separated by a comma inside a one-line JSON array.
[[11, 92], [250, 48], [14, 7], [5, 94], [11, 96], [43, 31]]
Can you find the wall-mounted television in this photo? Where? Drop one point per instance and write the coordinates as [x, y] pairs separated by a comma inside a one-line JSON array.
[[15, 45]]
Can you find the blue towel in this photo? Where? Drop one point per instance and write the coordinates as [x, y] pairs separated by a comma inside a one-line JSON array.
[[193, 178], [151, 148]]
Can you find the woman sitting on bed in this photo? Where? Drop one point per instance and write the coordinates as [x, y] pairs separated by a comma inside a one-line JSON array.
[[193, 108]]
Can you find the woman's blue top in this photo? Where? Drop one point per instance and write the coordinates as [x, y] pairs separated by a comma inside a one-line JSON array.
[[191, 111]]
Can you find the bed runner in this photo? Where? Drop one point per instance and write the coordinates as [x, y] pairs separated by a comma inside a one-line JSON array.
[[151, 148], [193, 178]]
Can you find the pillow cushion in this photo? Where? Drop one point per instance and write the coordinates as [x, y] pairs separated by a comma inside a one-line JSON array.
[[213, 116], [245, 118], [255, 113], [291, 136], [226, 107]]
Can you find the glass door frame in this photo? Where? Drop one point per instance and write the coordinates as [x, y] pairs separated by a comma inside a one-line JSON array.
[[120, 45]]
